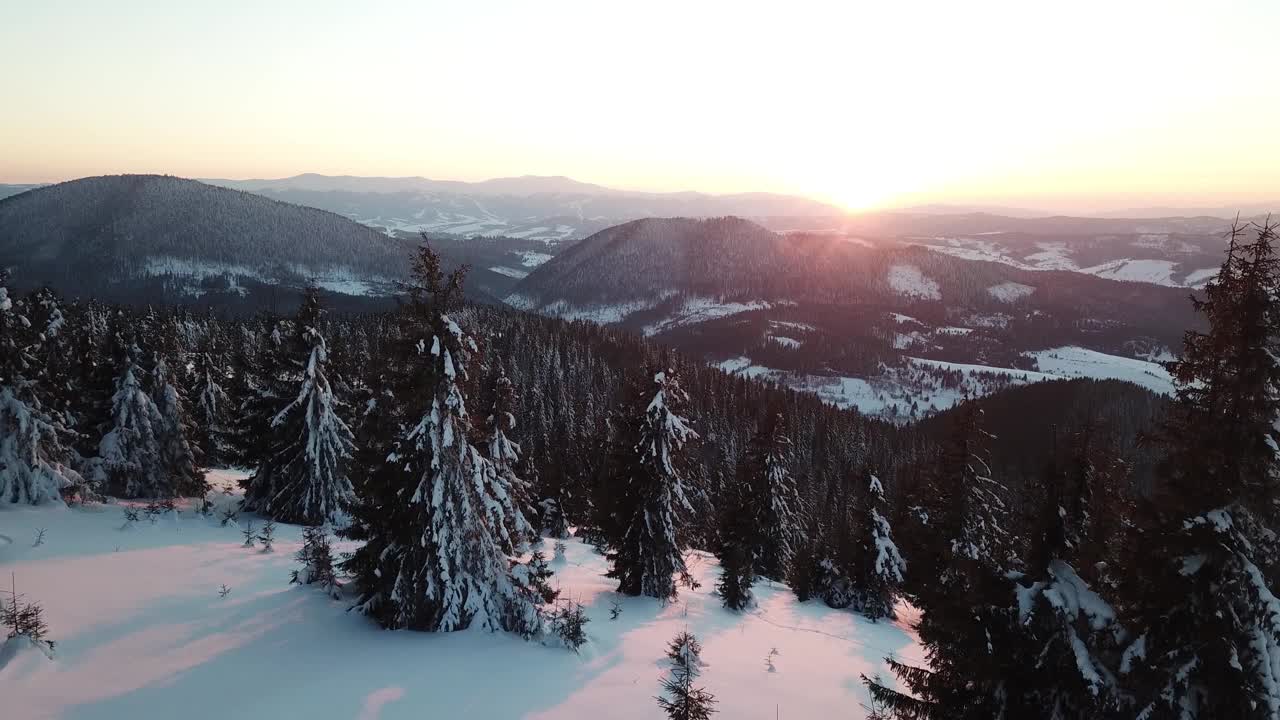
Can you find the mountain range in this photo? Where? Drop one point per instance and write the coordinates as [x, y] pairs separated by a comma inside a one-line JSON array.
[[899, 314]]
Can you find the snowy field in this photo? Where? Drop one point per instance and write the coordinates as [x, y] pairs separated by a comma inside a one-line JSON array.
[[141, 632], [890, 394], [1055, 256]]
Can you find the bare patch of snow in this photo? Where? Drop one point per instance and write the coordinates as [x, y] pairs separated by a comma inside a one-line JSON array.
[[1010, 291], [509, 272], [907, 280]]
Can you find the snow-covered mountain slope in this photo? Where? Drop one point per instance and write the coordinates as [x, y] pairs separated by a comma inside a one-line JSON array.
[[161, 238], [1188, 260], [921, 387], [141, 632]]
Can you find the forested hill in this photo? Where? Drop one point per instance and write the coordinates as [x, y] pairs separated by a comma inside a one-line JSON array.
[[162, 238]]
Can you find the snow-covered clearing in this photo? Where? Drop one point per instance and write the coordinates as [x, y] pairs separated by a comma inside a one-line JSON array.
[[701, 309], [509, 272], [533, 259], [1057, 256], [1010, 291], [141, 632], [907, 280], [1074, 362], [892, 393]]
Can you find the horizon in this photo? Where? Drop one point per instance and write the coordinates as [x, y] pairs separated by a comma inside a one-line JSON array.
[[977, 107]]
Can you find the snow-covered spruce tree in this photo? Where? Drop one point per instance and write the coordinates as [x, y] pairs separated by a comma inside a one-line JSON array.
[[879, 569], [437, 556], [1199, 601], [737, 536], [1065, 628], [316, 558], [680, 699], [213, 407], [263, 381], [767, 473], [966, 619], [33, 461], [132, 453], [303, 478], [181, 459], [505, 457], [648, 558]]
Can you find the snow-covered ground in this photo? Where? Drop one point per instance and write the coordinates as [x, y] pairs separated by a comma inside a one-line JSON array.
[[141, 632], [510, 272], [907, 280], [1056, 256], [1075, 362], [1010, 291], [892, 392], [701, 309]]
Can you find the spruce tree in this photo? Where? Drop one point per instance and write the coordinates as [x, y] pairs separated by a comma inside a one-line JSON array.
[[132, 453], [880, 568], [648, 557], [680, 699], [435, 511], [966, 620], [1065, 627], [768, 474], [737, 536], [181, 459], [504, 454], [34, 463], [1200, 604], [303, 478], [213, 407]]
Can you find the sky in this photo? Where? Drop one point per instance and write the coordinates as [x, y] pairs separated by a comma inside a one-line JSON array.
[[1062, 106]]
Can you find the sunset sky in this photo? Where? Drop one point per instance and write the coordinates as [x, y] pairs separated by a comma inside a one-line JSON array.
[[1069, 106]]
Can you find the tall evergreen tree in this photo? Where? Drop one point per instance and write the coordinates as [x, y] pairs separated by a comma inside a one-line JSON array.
[[1201, 606], [131, 454], [773, 487], [966, 621], [303, 478], [34, 464], [180, 458], [504, 454], [879, 566], [213, 406], [648, 558], [737, 542], [435, 511], [1066, 628]]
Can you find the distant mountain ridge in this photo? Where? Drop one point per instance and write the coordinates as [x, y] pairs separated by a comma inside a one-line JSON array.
[[553, 209], [167, 239]]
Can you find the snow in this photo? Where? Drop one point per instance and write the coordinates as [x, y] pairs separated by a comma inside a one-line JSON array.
[[334, 279], [701, 309], [509, 272], [1010, 291], [1200, 277], [141, 632], [1057, 256], [785, 341], [1159, 272], [533, 259], [891, 393], [604, 314], [1073, 362], [907, 280]]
